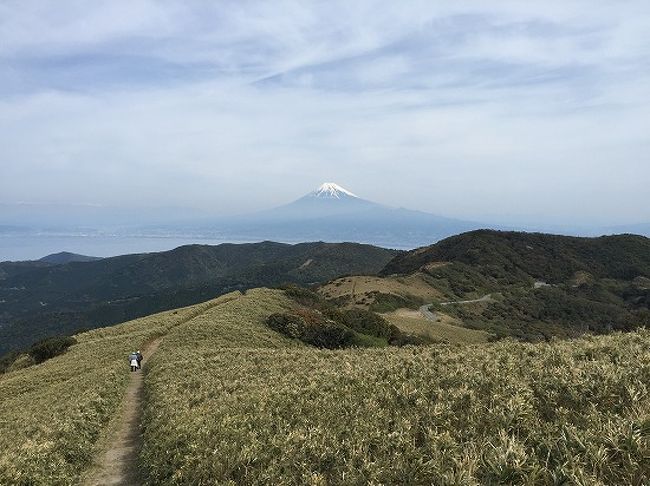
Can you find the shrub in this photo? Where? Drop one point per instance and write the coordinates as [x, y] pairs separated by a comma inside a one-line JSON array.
[[329, 335], [50, 347], [22, 361], [367, 341], [320, 323], [312, 328], [390, 302], [365, 322], [290, 325]]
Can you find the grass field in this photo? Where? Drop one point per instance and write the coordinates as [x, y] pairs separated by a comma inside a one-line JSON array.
[[230, 402], [445, 330], [53, 414]]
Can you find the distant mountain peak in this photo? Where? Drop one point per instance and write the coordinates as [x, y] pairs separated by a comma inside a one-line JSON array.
[[64, 257], [331, 190]]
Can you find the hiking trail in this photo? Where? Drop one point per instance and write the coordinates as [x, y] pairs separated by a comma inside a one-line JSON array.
[[118, 464]]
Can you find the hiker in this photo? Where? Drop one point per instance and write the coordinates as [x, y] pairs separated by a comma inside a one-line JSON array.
[[139, 358], [133, 361]]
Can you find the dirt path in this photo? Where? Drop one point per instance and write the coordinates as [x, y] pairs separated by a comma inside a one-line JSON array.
[[118, 465]]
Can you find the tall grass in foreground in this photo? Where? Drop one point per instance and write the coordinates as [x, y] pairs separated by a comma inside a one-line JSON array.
[[246, 408], [52, 414]]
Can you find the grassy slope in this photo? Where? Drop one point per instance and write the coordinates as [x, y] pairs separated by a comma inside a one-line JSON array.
[[229, 402], [52, 414], [446, 330], [184, 383]]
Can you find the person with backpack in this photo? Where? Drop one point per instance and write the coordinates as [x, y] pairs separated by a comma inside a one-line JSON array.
[[133, 361]]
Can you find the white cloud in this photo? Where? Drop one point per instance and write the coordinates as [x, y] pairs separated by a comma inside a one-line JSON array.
[[460, 108]]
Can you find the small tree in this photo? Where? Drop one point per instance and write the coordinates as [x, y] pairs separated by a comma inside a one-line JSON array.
[[50, 347]]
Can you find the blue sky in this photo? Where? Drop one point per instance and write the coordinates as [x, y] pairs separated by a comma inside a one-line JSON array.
[[505, 111]]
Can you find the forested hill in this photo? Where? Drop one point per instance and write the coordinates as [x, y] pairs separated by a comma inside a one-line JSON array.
[[538, 285], [37, 300], [551, 258]]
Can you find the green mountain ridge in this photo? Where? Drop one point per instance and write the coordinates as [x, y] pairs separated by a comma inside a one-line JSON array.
[[38, 299], [552, 258]]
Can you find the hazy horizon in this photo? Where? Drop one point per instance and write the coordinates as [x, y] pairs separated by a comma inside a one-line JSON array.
[[330, 214], [98, 216], [509, 112]]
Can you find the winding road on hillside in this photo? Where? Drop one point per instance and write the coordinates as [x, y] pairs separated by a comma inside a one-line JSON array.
[[118, 465], [485, 298], [426, 312]]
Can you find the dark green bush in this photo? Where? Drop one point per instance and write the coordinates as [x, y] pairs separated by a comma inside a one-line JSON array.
[[313, 328], [390, 302], [290, 325], [367, 341], [365, 322], [329, 335], [50, 347]]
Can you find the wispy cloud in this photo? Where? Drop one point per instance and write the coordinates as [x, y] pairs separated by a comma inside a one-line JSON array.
[[464, 108]]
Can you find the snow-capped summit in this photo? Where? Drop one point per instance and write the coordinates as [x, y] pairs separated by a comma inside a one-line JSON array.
[[328, 200], [331, 190]]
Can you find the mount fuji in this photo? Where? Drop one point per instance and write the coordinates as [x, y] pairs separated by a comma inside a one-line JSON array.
[[329, 199], [333, 213]]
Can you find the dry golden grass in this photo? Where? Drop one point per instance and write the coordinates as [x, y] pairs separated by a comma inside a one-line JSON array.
[[447, 329], [224, 409], [52, 414]]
